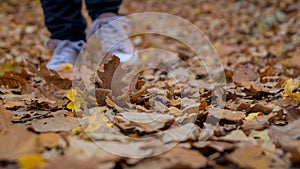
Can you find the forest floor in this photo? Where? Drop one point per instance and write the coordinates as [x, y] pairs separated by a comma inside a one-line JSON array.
[[47, 123]]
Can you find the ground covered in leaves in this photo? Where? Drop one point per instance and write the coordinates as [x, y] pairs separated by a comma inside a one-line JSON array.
[[45, 123]]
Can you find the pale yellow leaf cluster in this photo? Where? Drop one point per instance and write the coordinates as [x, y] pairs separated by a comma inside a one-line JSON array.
[[289, 86], [9, 66], [75, 98], [95, 121], [253, 115]]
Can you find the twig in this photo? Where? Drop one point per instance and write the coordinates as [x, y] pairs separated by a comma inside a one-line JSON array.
[[23, 120]]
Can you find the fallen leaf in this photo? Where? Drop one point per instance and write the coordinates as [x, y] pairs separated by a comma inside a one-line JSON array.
[[261, 134], [75, 163], [250, 157], [244, 74], [252, 115], [148, 121], [5, 120], [53, 78], [32, 161], [289, 87], [18, 141], [49, 140], [227, 114], [76, 100], [10, 66], [85, 150], [237, 136], [54, 124], [102, 95], [177, 157], [182, 133], [11, 80], [139, 149], [191, 109], [108, 72], [286, 134]]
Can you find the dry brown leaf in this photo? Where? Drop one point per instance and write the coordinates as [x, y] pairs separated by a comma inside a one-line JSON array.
[[101, 95], [191, 109], [5, 120], [182, 133], [217, 145], [54, 124], [106, 75], [244, 74], [53, 78], [17, 142], [138, 149], [11, 80], [150, 122], [237, 136], [82, 154], [250, 157], [74, 163], [66, 74], [283, 136], [49, 140], [225, 114], [177, 157], [14, 104]]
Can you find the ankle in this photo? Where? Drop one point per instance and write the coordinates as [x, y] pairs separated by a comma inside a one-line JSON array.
[[107, 15]]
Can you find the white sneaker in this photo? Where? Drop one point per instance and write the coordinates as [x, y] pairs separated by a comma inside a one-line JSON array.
[[65, 52], [114, 37]]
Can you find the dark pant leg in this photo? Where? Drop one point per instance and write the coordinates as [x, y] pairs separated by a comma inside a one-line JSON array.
[[64, 20], [98, 7]]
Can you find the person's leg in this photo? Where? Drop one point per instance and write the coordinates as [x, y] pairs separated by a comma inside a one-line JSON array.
[[66, 24], [97, 7], [64, 20]]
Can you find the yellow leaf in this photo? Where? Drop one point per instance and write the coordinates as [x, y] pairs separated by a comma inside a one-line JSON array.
[[74, 106], [9, 66], [94, 123], [96, 120], [289, 86], [109, 125], [31, 161], [76, 130], [75, 98], [253, 115]]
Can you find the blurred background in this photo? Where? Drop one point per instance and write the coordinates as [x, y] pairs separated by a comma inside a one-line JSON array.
[[239, 29]]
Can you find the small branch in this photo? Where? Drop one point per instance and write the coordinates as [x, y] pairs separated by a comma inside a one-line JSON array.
[[23, 120]]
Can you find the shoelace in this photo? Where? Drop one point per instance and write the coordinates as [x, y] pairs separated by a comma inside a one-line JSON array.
[[112, 33], [63, 46]]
